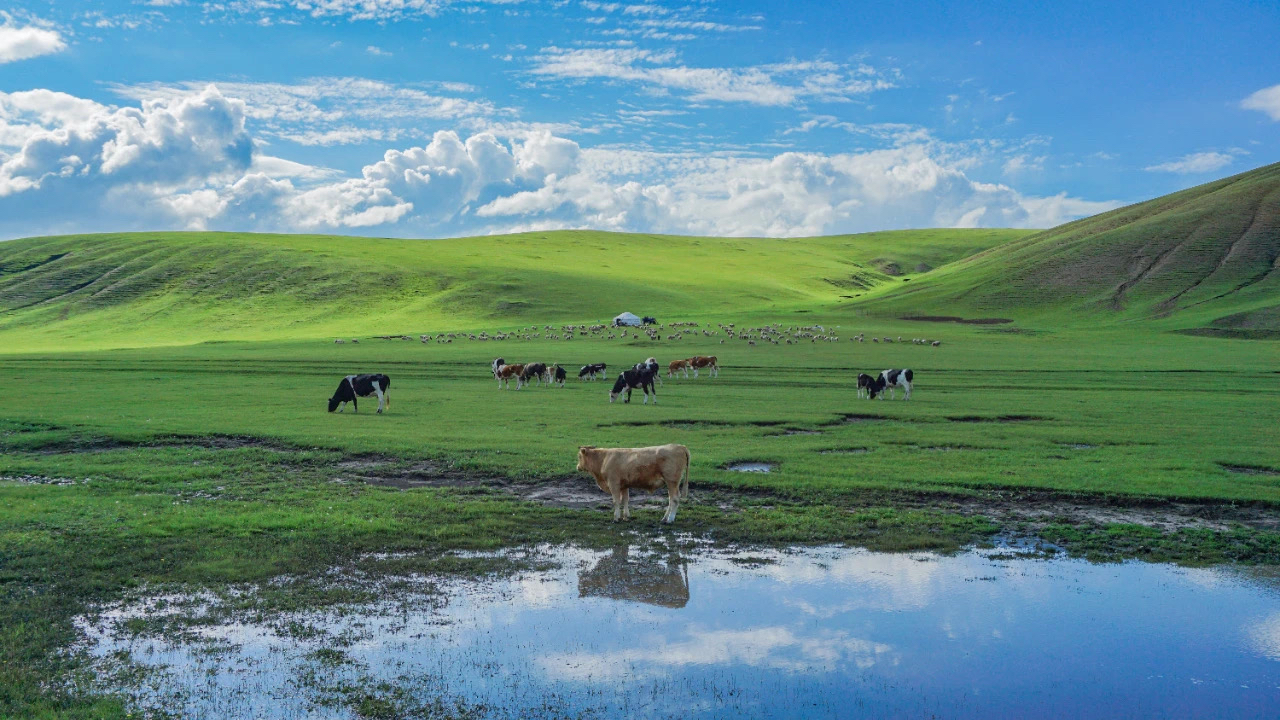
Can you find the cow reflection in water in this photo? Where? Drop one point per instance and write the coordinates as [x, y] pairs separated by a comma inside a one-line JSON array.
[[645, 579]]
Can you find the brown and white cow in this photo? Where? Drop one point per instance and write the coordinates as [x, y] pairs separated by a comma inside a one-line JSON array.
[[677, 366], [617, 470], [506, 372], [707, 362]]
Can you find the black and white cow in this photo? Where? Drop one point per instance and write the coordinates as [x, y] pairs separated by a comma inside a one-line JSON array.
[[865, 382], [589, 372], [891, 380], [497, 363], [558, 375], [632, 379], [354, 386], [651, 365]]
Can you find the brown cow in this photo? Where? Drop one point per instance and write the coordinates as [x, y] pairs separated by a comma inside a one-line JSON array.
[[676, 366], [617, 470], [705, 361], [506, 372]]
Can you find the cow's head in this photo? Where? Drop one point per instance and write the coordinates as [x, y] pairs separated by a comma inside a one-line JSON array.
[[333, 403], [584, 457], [617, 388]]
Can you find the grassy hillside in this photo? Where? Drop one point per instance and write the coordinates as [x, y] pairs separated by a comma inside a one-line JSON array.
[[1204, 258], [141, 289]]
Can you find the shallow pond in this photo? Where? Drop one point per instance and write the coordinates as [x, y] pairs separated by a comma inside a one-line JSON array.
[[826, 632]]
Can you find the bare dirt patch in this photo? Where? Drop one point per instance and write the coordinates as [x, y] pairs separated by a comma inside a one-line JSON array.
[[1035, 510]]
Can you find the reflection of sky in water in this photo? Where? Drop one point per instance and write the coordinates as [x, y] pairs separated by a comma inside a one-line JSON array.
[[815, 633]]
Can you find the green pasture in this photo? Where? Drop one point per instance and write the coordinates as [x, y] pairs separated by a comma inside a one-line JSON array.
[[1149, 414]]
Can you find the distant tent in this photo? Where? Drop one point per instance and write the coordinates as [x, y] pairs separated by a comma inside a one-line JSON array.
[[627, 319]]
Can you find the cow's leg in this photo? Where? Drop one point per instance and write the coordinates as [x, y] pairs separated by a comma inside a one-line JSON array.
[[381, 398], [673, 503], [695, 372], [907, 392], [355, 404], [617, 503], [343, 406], [626, 504]]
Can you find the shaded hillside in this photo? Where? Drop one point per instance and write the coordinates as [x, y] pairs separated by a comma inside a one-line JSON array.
[[164, 288], [1202, 258]]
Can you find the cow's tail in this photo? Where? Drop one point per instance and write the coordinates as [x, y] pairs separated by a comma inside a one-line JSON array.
[[684, 489]]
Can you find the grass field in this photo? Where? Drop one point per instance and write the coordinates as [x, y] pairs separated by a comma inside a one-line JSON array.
[[164, 423]]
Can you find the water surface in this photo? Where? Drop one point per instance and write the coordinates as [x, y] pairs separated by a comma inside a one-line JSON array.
[[827, 632]]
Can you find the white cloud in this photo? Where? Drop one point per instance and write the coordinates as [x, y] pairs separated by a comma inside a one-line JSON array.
[[778, 84], [188, 160], [377, 51], [24, 43], [330, 110], [1266, 100], [1201, 162]]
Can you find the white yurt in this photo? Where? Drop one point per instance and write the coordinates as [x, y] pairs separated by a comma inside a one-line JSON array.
[[627, 319]]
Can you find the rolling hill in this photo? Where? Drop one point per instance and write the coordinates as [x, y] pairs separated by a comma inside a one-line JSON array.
[[1202, 260], [145, 289]]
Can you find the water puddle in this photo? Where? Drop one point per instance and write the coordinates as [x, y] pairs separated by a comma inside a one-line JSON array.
[[780, 634], [750, 467]]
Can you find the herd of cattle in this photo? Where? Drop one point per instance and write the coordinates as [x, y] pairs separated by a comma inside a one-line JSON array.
[[641, 376], [618, 470]]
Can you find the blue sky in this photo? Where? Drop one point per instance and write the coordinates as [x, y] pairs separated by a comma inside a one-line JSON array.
[[426, 118]]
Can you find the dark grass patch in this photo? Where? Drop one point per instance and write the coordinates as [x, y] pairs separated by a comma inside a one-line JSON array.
[[1248, 469], [955, 319], [859, 418], [996, 418], [845, 451], [793, 431], [1079, 446]]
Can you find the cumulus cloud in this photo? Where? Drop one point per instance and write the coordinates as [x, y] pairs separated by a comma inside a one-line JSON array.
[[330, 110], [25, 42], [776, 84], [187, 160], [116, 163], [1200, 162], [1266, 100]]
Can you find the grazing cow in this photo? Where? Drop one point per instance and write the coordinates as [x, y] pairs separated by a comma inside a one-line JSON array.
[[649, 320], [533, 371], [589, 372], [557, 375], [354, 386], [865, 382], [506, 372], [632, 379], [497, 363], [893, 379], [617, 470], [676, 366], [707, 362], [936, 343]]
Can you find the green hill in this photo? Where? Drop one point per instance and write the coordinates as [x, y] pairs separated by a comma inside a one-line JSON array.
[[143, 289], [1203, 259]]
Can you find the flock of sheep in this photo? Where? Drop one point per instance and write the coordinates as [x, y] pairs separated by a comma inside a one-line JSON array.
[[774, 334]]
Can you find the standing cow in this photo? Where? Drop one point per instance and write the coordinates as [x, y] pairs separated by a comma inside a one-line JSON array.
[[617, 470]]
